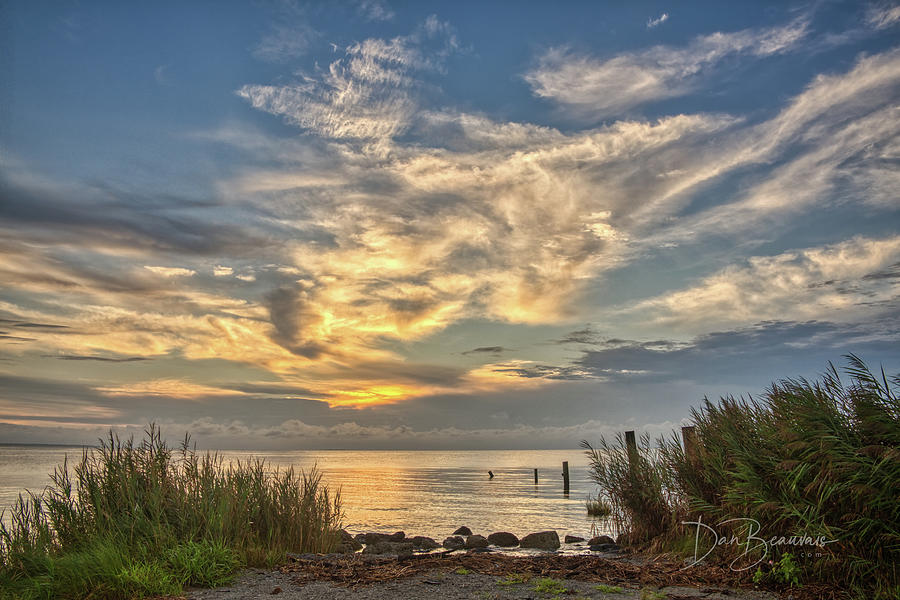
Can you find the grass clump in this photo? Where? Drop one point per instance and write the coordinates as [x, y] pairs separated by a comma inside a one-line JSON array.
[[134, 520], [805, 460], [462, 571], [514, 579], [648, 594], [610, 589], [549, 586], [597, 507]]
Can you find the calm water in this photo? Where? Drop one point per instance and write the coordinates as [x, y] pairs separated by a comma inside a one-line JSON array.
[[420, 492]]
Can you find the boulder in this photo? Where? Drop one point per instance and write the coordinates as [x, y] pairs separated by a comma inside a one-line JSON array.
[[463, 531], [423, 543], [543, 540], [606, 548], [573, 539], [398, 548], [454, 542], [374, 538], [504, 539], [477, 541], [348, 546], [600, 539]]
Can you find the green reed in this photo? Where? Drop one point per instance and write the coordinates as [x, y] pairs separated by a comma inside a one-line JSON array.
[[815, 458], [133, 520]]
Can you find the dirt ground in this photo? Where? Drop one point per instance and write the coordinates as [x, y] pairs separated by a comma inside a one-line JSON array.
[[489, 577]]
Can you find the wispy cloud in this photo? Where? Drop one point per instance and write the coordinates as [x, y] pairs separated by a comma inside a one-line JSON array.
[[651, 22], [368, 95], [883, 16], [837, 282], [171, 271], [374, 10], [596, 87]]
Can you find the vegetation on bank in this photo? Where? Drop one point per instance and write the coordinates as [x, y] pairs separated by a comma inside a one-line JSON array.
[[134, 520], [818, 459]]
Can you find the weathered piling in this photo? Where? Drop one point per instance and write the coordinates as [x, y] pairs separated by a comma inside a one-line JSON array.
[[631, 447], [535, 477], [565, 475]]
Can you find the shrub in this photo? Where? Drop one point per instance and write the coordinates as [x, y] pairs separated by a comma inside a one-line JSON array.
[[143, 519], [806, 458]]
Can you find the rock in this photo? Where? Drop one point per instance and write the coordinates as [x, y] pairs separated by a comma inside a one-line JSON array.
[[606, 548], [345, 535], [572, 539], [454, 542], [543, 540], [277, 590], [463, 531], [398, 548], [374, 538], [504, 539], [348, 546], [601, 539], [423, 543], [477, 541]]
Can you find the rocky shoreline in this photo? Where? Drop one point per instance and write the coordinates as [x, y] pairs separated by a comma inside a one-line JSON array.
[[499, 566], [398, 544]]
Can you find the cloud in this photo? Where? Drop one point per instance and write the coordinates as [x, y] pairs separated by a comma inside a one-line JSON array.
[[838, 281], [159, 74], [368, 95], [295, 433], [487, 350], [220, 271], [374, 10], [882, 17], [651, 22], [288, 37], [580, 336], [101, 358], [171, 271], [291, 318], [594, 87], [171, 388]]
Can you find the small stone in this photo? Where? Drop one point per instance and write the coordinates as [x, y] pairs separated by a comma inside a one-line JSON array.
[[543, 540], [277, 590], [601, 539], [374, 538], [348, 546], [423, 543], [454, 542], [504, 539], [477, 541], [463, 531], [398, 548], [573, 539]]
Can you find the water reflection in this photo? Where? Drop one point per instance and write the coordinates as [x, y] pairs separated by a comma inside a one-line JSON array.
[[421, 492]]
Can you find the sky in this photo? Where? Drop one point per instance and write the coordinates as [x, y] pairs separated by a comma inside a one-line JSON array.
[[375, 224]]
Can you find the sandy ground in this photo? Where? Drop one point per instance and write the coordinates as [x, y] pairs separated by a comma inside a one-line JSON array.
[[446, 584]]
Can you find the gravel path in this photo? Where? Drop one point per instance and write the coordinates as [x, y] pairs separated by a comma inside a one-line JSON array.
[[257, 584]]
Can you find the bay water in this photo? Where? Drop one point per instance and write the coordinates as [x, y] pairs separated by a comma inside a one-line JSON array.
[[421, 492]]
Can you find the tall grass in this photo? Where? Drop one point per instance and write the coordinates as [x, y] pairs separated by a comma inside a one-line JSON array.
[[814, 458], [131, 520], [634, 482]]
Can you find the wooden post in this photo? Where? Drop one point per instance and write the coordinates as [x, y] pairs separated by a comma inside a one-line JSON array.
[[631, 446], [535, 477], [565, 477], [689, 437]]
